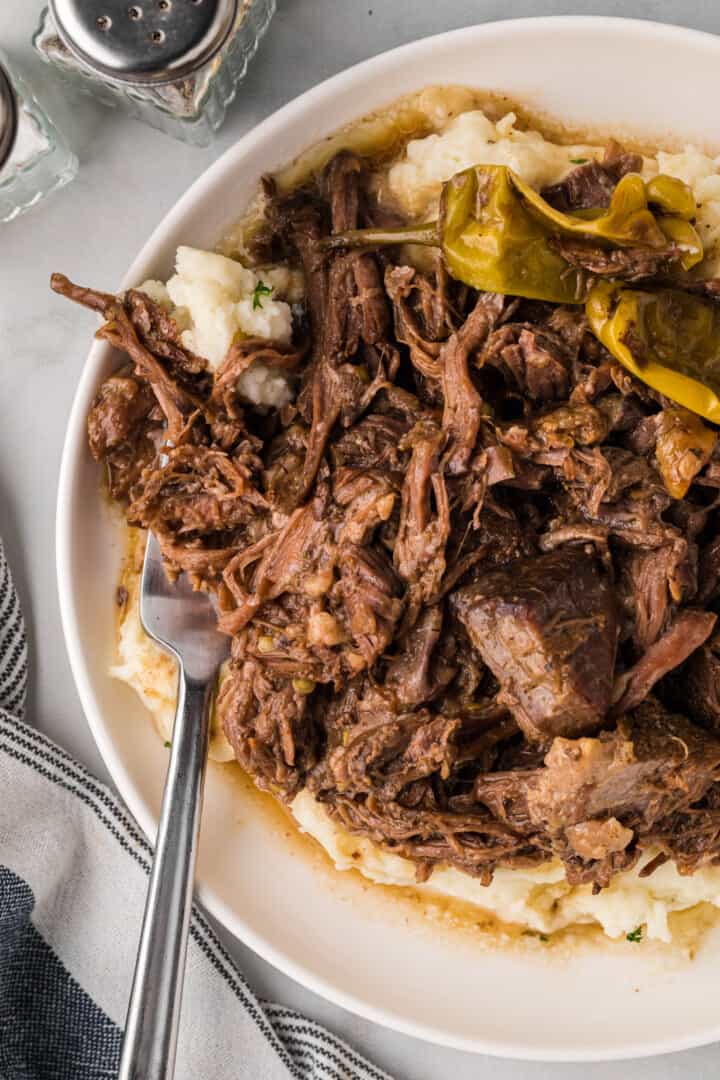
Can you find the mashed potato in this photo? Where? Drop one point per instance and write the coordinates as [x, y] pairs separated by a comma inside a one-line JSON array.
[[473, 139], [702, 174], [212, 299], [215, 299], [537, 899]]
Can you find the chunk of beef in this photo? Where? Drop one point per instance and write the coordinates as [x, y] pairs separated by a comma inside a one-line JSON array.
[[176, 404], [575, 533], [598, 802], [121, 431], [621, 492], [535, 360], [652, 582], [571, 425], [495, 539], [546, 628], [411, 675], [695, 687], [79, 294], [122, 403], [623, 413], [586, 475], [155, 327], [338, 388], [441, 300], [686, 633], [654, 764], [599, 838], [709, 571], [633, 471], [590, 186], [284, 457], [159, 332]]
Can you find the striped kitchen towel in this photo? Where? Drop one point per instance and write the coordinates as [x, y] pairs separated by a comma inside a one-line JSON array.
[[73, 875]]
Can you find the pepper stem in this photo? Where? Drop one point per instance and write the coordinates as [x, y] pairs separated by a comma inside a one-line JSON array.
[[427, 234]]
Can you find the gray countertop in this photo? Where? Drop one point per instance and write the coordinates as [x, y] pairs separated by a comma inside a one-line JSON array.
[[130, 176]]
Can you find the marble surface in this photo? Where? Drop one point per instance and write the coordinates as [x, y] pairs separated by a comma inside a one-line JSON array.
[[129, 178]]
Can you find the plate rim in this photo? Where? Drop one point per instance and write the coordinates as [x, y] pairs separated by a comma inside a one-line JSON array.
[[74, 445]]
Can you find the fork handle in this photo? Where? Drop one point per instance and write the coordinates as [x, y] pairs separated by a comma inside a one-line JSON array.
[[154, 1011]]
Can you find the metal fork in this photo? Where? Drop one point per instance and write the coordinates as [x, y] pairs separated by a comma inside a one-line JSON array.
[[184, 623]]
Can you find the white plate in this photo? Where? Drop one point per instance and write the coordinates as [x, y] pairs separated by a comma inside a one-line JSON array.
[[330, 932]]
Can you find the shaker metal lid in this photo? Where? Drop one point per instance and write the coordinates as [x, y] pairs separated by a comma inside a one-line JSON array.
[[8, 116], [147, 41]]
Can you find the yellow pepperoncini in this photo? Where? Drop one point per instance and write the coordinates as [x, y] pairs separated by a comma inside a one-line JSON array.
[[683, 447], [496, 232], [494, 240], [667, 338]]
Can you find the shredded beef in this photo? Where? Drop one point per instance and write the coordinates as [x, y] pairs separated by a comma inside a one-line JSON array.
[[534, 360], [463, 405], [623, 264], [471, 573], [592, 792], [352, 321]]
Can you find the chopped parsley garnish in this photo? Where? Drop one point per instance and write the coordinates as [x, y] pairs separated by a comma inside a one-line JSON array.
[[168, 744], [260, 290], [543, 937], [635, 935], [579, 160]]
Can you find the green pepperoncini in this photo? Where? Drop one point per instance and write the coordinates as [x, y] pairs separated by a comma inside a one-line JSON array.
[[497, 233]]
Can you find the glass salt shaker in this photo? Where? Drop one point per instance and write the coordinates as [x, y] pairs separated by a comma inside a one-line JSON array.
[[176, 64], [34, 159]]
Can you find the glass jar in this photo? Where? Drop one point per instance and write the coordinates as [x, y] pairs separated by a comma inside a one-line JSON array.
[[176, 64], [34, 159]]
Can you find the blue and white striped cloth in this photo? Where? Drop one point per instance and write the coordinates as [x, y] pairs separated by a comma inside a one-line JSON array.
[[73, 875]]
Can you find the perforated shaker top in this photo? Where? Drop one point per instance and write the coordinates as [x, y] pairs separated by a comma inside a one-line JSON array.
[[149, 41]]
